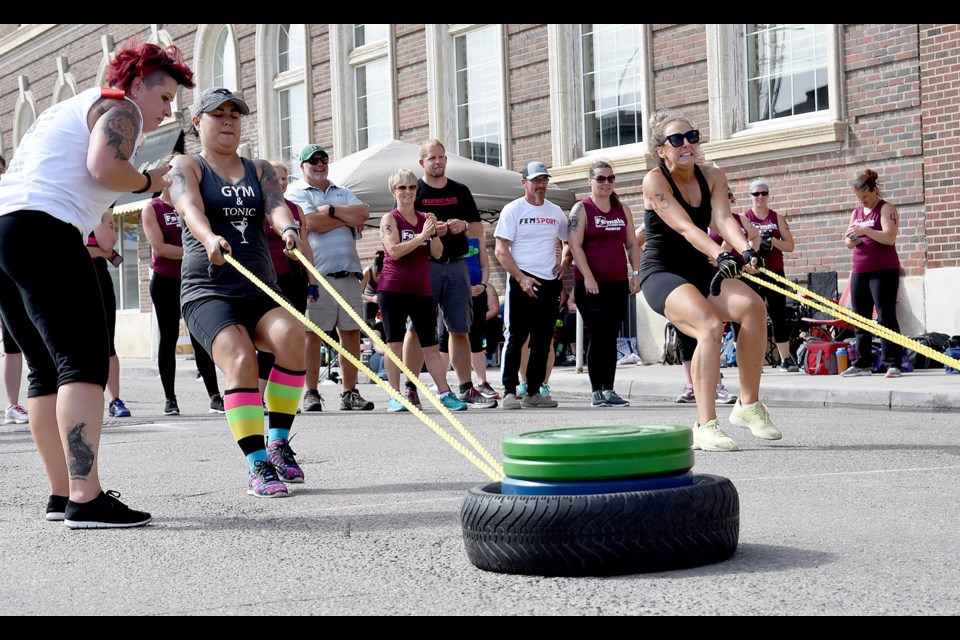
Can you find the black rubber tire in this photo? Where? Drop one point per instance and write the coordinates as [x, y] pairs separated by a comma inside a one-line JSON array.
[[603, 534]]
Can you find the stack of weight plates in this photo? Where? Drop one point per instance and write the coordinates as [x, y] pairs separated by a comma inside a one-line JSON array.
[[600, 501]]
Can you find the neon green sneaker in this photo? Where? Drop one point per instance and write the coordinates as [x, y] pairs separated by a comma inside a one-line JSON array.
[[757, 419], [710, 437]]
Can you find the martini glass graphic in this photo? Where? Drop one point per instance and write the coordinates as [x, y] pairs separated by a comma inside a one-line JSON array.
[[241, 226]]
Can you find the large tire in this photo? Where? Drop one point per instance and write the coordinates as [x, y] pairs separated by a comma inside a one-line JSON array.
[[603, 534]]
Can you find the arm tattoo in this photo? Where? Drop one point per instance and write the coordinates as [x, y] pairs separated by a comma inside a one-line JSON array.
[[178, 182], [386, 231], [119, 126], [661, 203], [80, 462], [270, 185], [574, 223]]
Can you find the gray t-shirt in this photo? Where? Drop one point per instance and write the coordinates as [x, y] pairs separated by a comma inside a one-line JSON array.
[[334, 250]]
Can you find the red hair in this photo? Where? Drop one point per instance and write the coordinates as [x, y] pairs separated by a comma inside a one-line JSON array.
[[139, 61]]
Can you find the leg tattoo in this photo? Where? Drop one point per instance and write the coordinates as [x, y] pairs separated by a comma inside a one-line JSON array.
[[80, 461]]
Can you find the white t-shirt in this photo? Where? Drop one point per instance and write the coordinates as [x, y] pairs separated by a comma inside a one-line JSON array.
[[48, 171], [533, 232]]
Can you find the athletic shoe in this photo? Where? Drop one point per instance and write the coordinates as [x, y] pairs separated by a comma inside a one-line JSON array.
[[522, 390], [538, 401], [15, 414], [510, 401], [395, 406], [117, 409], [476, 400], [757, 419], [597, 399], [686, 396], [170, 408], [710, 437], [312, 400], [103, 512], [854, 372], [216, 404], [263, 481], [282, 458], [788, 365], [453, 403], [353, 401], [892, 372], [724, 396], [545, 390], [56, 505], [614, 400], [413, 398], [487, 391]]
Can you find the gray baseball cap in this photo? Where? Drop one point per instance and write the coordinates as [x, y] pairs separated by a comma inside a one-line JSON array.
[[534, 170], [210, 99]]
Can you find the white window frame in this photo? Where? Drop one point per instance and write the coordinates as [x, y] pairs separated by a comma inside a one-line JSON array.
[[205, 46], [66, 85], [570, 160], [730, 134], [25, 111], [270, 82]]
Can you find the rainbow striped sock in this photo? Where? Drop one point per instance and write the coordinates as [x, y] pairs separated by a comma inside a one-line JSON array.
[[245, 417], [282, 396]]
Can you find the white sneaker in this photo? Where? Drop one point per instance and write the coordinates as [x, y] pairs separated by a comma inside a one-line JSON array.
[[710, 437], [757, 419], [15, 414]]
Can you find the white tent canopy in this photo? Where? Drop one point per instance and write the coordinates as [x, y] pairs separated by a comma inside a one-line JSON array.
[[366, 174]]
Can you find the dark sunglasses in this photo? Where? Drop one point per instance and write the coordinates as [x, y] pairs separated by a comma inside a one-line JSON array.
[[676, 139], [404, 187], [317, 159], [602, 179], [757, 194]]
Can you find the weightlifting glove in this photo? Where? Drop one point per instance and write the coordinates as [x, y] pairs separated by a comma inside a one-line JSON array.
[[766, 240], [749, 255], [728, 266], [313, 292]]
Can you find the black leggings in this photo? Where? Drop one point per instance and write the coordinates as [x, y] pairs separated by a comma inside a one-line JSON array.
[[876, 289], [602, 316], [526, 317], [165, 293]]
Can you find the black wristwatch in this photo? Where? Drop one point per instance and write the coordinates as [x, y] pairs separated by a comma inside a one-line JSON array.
[[331, 210]]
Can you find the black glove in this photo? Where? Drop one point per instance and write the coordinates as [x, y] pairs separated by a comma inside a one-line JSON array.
[[766, 240], [749, 255], [728, 266]]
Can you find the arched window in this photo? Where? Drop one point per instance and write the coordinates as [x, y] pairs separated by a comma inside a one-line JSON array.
[[25, 111], [225, 60], [283, 92]]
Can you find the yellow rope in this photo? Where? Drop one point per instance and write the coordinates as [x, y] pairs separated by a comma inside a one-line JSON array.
[[811, 299], [492, 468]]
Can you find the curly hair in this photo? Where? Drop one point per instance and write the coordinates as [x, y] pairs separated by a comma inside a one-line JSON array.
[[142, 61]]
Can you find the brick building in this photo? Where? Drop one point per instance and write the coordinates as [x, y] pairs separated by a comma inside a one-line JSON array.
[[805, 107]]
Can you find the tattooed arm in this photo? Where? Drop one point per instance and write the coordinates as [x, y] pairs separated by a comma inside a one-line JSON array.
[[114, 128], [390, 236], [185, 193], [578, 220], [658, 197]]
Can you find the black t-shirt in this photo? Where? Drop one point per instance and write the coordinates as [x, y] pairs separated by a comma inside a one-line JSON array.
[[452, 201]]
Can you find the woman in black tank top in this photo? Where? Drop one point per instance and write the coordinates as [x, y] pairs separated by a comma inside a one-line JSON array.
[[683, 199]]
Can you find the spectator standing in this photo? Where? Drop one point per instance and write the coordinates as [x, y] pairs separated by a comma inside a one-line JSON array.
[[334, 220], [12, 366], [164, 231], [457, 218], [528, 234], [73, 162], [875, 276], [602, 239]]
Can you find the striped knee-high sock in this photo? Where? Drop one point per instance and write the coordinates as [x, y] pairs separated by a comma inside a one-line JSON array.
[[245, 417], [282, 396]]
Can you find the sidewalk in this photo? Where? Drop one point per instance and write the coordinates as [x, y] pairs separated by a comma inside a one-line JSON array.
[[922, 389]]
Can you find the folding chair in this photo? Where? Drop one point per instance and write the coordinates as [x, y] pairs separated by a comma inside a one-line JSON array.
[[821, 324]]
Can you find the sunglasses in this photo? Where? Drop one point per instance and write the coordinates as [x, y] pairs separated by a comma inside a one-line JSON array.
[[404, 187], [317, 159], [757, 194], [676, 139], [602, 179]]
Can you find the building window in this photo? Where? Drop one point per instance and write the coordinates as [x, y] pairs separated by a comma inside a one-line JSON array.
[[283, 93], [225, 61], [479, 95], [374, 114], [786, 70], [293, 122], [290, 47], [611, 87], [368, 33], [126, 279]]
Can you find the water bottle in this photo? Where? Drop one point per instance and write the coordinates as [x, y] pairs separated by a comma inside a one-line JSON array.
[[842, 362]]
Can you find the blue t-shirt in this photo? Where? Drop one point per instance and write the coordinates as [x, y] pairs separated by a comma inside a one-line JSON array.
[[472, 256]]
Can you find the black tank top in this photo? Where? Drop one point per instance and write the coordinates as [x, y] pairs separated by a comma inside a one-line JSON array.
[[667, 250], [236, 212]]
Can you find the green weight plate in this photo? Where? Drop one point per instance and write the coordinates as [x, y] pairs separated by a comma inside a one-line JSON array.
[[600, 468], [593, 442]]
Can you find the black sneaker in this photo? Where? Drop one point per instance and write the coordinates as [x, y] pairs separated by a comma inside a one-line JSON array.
[[353, 401], [171, 408], [312, 400], [103, 512], [789, 366], [56, 505], [216, 404]]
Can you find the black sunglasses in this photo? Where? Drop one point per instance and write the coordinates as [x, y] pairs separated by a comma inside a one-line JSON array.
[[676, 139], [757, 194], [316, 159], [602, 179]]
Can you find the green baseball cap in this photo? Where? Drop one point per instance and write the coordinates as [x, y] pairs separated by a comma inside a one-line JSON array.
[[310, 150]]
